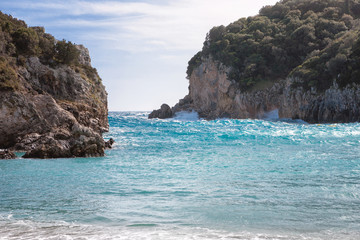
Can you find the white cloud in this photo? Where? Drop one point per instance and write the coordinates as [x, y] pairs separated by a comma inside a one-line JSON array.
[[141, 48], [178, 25], [144, 26]]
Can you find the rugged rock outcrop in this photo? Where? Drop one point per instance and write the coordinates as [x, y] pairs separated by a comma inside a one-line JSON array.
[[50, 108], [47, 117], [213, 95]]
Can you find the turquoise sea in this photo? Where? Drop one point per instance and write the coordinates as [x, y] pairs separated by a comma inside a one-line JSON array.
[[186, 178]]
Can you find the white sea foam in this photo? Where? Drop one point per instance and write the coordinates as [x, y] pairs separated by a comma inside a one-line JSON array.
[[186, 116], [272, 115], [26, 230]]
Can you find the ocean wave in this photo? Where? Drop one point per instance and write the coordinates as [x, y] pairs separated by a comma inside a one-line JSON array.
[[29, 230], [174, 179]]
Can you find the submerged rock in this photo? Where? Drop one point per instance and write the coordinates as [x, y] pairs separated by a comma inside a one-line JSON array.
[[7, 154]]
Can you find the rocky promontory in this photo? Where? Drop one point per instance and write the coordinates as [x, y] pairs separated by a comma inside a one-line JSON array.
[[52, 102], [301, 58]]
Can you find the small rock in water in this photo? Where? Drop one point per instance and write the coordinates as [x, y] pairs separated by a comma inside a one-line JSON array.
[[7, 154], [162, 113], [109, 143]]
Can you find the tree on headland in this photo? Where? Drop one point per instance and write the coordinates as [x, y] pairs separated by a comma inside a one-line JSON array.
[[311, 39], [66, 52], [26, 41]]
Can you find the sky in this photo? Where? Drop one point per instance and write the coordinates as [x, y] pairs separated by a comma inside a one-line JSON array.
[[140, 48]]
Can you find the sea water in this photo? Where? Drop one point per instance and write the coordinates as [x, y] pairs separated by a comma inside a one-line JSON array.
[[186, 178]]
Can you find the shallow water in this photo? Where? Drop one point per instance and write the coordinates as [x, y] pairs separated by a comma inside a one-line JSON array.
[[186, 179]]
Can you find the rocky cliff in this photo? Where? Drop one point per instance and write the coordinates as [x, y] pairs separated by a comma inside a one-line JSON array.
[[213, 95], [299, 57], [52, 102]]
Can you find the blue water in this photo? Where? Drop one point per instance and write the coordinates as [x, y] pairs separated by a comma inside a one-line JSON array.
[[186, 179]]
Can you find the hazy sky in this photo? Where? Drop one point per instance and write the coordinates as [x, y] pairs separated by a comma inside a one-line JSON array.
[[140, 47]]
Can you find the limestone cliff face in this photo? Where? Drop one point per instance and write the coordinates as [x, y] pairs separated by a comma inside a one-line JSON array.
[[57, 111], [213, 95]]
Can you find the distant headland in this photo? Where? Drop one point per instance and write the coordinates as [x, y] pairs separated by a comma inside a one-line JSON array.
[[301, 58]]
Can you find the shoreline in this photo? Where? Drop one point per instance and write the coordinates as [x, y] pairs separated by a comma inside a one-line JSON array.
[[27, 229]]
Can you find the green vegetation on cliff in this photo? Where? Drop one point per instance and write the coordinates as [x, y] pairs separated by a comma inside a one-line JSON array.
[[314, 41], [17, 39], [18, 43], [8, 76]]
